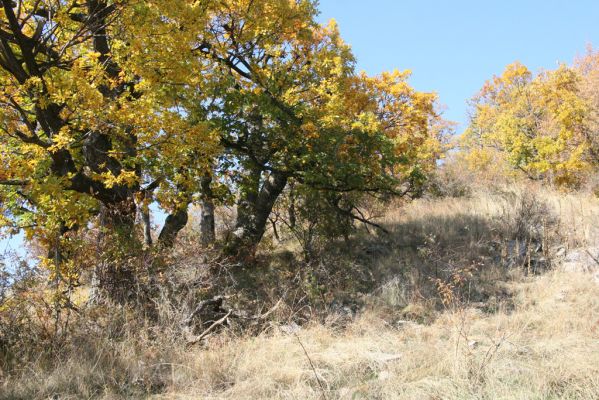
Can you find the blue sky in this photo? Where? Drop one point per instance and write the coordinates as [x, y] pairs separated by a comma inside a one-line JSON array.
[[452, 47]]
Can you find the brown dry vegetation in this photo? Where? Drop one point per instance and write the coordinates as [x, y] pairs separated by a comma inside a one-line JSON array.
[[465, 298]]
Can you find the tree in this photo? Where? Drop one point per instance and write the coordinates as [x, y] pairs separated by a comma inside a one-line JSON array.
[[109, 106], [587, 67], [291, 108], [84, 123], [541, 125]]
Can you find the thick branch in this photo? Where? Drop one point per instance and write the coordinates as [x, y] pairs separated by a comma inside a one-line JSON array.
[[22, 41], [13, 182], [359, 217]]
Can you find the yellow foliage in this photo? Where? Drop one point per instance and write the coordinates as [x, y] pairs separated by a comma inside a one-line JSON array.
[[542, 125]]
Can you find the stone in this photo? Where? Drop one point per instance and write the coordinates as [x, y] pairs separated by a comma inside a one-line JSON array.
[[581, 260]]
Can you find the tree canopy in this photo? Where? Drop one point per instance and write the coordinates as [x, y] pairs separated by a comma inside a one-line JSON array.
[[543, 125], [109, 106]]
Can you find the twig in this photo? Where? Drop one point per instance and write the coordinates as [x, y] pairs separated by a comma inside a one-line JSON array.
[[491, 351], [323, 391], [590, 255]]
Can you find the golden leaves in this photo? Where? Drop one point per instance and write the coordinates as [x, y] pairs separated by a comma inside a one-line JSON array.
[[541, 123], [177, 78], [61, 140], [125, 177]]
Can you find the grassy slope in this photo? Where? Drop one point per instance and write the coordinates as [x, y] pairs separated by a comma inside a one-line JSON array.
[[538, 340], [547, 348], [541, 343]]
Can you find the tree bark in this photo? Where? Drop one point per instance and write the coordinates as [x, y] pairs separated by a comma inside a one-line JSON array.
[[253, 210], [172, 226], [147, 226], [207, 224], [291, 209], [112, 275]]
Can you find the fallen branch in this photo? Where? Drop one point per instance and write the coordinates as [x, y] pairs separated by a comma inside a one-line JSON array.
[[215, 301], [258, 317], [266, 314], [594, 259], [210, 328], [13, 182]]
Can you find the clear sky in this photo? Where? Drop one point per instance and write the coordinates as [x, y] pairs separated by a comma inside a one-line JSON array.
[[452, 47]]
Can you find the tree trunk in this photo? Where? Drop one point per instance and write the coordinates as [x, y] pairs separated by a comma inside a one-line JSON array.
[[253, 210], [117, 241], [147, 225], [207, 225], [291, 209], [172, 226]]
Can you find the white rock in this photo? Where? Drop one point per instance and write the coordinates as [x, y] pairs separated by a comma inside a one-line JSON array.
[[384, 357], [581, 260], [290, 329]]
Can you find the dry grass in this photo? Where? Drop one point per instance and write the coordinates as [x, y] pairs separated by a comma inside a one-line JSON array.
[[504, 332], [577, 212], [546, 348]]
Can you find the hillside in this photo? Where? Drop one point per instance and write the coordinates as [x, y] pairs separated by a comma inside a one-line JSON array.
[[493, 295], [298, 199]]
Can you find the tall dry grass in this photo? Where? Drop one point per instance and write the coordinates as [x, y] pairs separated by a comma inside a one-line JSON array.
[[464, 299], [546, 347]]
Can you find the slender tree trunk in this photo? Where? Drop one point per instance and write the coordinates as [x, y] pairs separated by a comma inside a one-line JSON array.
[[147, 225], [207, 224], [95, 282], [291, 209], [275, 231], [253, 210]]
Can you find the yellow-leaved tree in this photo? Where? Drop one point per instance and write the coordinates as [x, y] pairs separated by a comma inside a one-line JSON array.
[[544, 125], [83, 118], [111, 105]]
